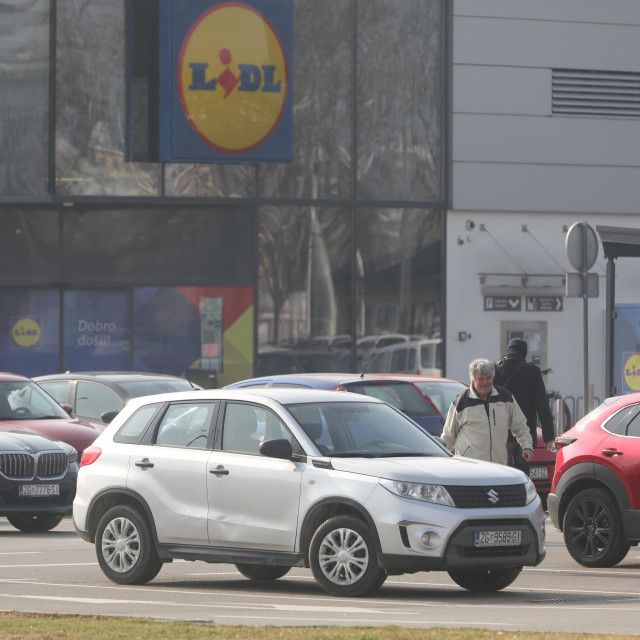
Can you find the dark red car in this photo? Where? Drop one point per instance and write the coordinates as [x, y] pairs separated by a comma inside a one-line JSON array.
[[595, 494], [25, 406]]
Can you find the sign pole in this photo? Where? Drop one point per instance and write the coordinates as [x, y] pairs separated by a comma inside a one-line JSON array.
[[585, 298]]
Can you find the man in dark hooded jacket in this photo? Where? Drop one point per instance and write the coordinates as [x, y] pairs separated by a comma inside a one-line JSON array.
[[524, 380]]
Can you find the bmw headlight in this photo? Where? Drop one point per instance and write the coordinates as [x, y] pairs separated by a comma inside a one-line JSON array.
[[530, 491], [73, 456], [435, 493]]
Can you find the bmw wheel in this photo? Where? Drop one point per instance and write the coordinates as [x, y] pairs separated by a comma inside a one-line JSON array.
[[592, 529], [343, 557], [35, 522], [125, 548], [485, 579], [262, 572]]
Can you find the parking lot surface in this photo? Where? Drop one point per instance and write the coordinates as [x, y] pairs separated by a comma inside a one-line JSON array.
[[58, 573]]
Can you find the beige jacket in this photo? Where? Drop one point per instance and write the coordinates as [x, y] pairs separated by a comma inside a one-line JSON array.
[[477, 429]]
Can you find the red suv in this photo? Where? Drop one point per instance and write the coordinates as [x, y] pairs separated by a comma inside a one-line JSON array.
[[595, 493]]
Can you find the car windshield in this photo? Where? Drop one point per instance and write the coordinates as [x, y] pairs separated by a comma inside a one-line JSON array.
[[442, 394], [27, 401], [362, 429], [138, 388], [401, 395]]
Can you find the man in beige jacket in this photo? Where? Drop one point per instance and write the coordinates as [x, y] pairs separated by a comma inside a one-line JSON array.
[[480, 418]]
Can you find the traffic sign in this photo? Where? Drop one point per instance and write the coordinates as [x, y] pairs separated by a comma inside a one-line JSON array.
[[582, 246], [544, 303], [502, 303]]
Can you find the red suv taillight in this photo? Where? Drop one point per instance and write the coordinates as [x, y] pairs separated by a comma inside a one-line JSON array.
[[563, 441], [90, 455]]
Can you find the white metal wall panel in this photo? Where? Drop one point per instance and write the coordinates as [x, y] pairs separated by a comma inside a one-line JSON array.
[[526, 187], [506, 90], [537, 43], [560, 139], [604, 11]]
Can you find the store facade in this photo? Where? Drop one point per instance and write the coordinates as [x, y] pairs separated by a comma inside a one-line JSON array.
[[194, 269]]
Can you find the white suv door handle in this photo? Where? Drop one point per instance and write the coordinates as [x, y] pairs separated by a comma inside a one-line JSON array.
[[219, 471], [144, 464]]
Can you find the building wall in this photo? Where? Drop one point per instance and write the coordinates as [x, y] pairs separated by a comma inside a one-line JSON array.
[[523, 175]]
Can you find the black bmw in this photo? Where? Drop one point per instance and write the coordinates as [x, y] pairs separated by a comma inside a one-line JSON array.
[[37, 480]]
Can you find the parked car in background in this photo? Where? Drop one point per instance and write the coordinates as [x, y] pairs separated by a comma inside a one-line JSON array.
[[98, 396], [422, 357], [25, 406], [595, 493], [400, 394], [271, 479], [37, 479], [276, 361]]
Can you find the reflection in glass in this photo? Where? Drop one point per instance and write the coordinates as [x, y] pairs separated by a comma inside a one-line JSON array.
[[399, 100], [30, 251], [304, 274], [169, 247], [322, 85], [24, 100], [210, 180], [90, 116], [399, 272]]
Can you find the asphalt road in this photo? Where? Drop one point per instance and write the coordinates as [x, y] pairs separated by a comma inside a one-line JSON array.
[[58, 573]]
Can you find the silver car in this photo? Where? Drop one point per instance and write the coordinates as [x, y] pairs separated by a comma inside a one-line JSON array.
[[271, 479]]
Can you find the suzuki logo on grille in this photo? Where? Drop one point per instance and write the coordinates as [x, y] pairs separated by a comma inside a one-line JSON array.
[[493, 496]]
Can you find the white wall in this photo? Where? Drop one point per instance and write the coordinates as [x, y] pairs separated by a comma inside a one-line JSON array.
[[509, 152], [506, 249]]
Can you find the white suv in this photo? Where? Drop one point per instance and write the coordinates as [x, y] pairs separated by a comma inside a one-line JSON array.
[[270, 479]]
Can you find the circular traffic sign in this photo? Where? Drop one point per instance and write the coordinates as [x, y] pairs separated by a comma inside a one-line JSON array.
[[582, 246]]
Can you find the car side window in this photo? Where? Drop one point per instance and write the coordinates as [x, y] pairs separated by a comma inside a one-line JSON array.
[[186, 424], [398, 360], [57, 389], [624, 421], [246, 426], [133, 429], [93, 399]]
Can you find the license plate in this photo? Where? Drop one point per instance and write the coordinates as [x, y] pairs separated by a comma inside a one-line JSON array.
[[539, 472], [497, 538], [37, 490]]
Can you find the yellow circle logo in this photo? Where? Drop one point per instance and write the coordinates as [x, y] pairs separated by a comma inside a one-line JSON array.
[[232, 77], [26, 332], [632, 372]]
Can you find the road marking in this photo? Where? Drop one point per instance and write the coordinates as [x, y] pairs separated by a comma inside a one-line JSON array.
[[18, 553], [35, 566]]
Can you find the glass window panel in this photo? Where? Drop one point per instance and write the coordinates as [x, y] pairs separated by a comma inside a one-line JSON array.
[[58, 390], [169, 247], [399, 272], [399, 100], [186, 425], [304, 274], [31, 249], [133, 429], [90, 102], [93, 399], [24, 98], [210, 181], [322, 86]]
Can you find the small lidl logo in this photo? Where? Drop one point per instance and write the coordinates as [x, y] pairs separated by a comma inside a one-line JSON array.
[[631, 372], [232, 77], [26, 332]]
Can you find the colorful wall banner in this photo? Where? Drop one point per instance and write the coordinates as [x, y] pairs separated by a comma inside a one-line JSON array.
[[225, 81], [626, 348]]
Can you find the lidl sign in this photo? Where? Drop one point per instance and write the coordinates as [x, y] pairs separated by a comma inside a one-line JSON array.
[[226, 93]]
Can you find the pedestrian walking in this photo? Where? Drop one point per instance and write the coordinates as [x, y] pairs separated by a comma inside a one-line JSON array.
[[524, 380], [481, 417]]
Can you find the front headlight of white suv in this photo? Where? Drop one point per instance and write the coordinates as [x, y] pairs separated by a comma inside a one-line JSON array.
[[530, 491], [435, 493]]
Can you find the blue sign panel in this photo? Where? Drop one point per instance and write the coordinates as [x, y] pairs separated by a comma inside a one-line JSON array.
[[96, 330], [30, 336], [226, 81]]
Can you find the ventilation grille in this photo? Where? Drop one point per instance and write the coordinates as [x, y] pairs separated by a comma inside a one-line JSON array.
[[598, 93]]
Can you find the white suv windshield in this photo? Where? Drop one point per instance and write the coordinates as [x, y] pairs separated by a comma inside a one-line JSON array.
[[362, 429]]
